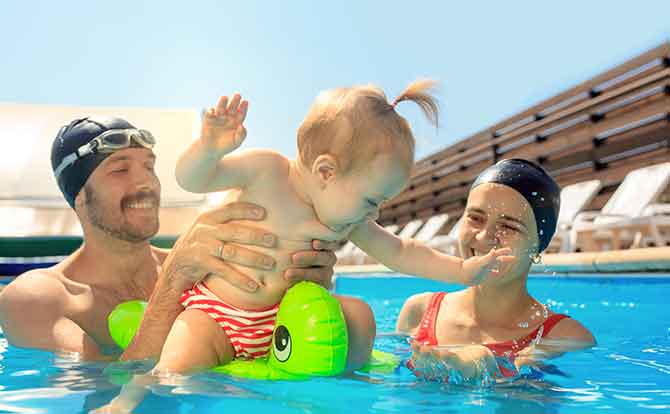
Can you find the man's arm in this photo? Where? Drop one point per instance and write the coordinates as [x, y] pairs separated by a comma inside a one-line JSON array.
[[33, 312], [192, 259]]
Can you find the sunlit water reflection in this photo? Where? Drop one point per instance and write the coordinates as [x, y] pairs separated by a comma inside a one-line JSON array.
[[629, 370]]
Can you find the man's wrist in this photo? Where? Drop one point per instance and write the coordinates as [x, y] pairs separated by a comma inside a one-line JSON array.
[[166, 295]]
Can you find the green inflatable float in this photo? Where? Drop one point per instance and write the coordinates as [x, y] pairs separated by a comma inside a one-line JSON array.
[[310, 338]]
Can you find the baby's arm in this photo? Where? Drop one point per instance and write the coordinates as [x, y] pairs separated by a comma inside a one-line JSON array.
[[202, 167], [195, 342], [410, 256]]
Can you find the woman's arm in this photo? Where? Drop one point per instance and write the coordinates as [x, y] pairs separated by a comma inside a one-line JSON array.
[[412, 312], [474, 362], [568, 335]]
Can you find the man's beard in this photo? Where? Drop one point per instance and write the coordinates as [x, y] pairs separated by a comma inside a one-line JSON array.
[[124, 230]]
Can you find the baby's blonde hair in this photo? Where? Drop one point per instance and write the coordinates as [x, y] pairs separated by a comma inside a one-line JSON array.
[[356, 124]]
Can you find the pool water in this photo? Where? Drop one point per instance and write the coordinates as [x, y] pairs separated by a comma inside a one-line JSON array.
[[628, 372]]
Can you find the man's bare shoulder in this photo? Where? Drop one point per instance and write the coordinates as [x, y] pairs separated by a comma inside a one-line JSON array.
[[39, 287]]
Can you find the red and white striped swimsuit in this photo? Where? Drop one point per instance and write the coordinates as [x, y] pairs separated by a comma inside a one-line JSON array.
[[249, 331]]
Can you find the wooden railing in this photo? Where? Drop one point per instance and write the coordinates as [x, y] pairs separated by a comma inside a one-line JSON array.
[[602, 128]]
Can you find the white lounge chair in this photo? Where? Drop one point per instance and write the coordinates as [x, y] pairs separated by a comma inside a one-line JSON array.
[[574, 198], [447, 243], [629, 213], [431, 227]]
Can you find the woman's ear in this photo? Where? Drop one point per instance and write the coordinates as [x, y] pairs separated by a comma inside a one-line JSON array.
[[325, 169]]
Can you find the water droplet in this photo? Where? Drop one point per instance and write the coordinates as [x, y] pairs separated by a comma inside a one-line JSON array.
[[534, 193], [523, 324], [541, 232]]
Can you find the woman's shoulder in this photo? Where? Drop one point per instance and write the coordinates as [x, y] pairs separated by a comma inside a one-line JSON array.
[[412, 312], [571, 329]]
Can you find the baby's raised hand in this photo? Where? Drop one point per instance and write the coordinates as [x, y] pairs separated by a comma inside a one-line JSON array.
[[223, 127], [478, 269]]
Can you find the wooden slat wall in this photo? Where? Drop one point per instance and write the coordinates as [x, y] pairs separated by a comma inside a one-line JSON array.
[[602, 128]]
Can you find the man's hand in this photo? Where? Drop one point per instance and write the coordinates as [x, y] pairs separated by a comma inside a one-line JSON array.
[[313, 265], [223, 127], [215, 239]]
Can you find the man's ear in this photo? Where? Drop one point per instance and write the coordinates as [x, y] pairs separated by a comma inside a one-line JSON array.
[[80, 200], [325, 169]]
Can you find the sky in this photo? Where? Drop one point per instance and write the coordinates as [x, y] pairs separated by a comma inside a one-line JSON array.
[[493, 59]]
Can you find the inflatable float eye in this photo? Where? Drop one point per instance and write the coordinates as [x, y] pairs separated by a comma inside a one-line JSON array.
[[282, 344]]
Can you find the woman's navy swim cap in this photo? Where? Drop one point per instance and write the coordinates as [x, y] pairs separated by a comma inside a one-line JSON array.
[[535, 185], [69, 139]]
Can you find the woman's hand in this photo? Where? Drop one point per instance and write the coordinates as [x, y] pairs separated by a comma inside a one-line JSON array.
[[471, 362]]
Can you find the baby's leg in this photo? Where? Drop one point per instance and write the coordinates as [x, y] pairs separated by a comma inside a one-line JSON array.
[[361, 328], [196, 342]]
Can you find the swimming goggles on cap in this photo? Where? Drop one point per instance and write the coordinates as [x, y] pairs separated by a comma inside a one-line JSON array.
[[108, 141]]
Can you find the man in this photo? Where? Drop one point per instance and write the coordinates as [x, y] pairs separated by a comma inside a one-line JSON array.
[[105, 170]]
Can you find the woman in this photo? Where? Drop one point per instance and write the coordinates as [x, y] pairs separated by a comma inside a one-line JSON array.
[[513, 204]]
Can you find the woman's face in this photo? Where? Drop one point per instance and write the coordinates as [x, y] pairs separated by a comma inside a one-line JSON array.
[[498, 216]]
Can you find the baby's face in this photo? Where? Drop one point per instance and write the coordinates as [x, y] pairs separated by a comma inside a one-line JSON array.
[[356, 197]]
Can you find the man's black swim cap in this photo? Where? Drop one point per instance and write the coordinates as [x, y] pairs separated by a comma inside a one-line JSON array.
[[535, 185], [69, 139]]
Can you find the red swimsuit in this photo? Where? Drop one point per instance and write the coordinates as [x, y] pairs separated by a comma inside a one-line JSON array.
[[425, 334]]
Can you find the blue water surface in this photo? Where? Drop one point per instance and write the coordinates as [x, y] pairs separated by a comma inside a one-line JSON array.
[[628, 372]]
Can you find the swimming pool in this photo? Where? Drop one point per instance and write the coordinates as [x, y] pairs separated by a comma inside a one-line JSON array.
[[629, 370]]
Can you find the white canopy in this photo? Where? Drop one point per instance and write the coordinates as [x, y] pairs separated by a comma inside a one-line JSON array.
[[30, 201]]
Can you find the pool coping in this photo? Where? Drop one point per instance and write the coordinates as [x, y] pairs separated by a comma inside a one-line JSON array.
[[650, 262]]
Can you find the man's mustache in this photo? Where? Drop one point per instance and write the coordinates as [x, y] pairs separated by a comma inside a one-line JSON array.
[[141, 196]]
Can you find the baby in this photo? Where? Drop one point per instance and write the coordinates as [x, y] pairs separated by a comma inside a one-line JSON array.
[[354, 153]]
